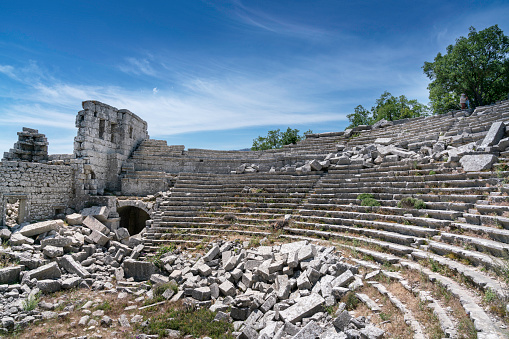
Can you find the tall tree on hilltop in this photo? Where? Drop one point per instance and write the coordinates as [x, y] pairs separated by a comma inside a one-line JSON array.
[[477, 65]]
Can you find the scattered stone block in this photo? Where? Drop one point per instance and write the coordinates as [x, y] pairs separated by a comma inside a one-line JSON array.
[[99, 238], [53, 251], [95, 225], [70, 265], [49, 285], [478, 162], [48, 271], [138, 270], [41, 227], [304, 308], [74, 219], [10, 275]]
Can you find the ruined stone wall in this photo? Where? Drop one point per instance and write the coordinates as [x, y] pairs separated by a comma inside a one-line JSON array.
[[106, 138], [42, 190]]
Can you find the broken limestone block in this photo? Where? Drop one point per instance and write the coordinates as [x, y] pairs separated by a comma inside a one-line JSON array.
[[201, 293], [478, 162], [344, 279], [71, 283], [494, 135], [49, 285], [53, 251], [48, 271], [315, 165], [342, 321], [227, 288], [139, 270], [70, 265], [372, 332], [10, 275], [122, 233], [19, 239], [5, 234], [99, 212], [95, 225], [74, 219], [304, 308], [383, 141], [98, 238], [211, 254], [159, 279], [57, 242], [311, 330], [41, 227]]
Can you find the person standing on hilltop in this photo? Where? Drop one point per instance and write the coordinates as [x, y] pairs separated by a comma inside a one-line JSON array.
[[463, 101]]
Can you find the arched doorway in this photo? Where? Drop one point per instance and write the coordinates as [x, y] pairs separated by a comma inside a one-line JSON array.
[[133, 218]]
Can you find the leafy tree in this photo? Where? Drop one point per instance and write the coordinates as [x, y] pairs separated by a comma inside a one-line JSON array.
[[387, 107], [276, 139], [477, 65], [360, 116]]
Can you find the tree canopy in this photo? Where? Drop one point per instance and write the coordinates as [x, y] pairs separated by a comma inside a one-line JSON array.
[[387, 107], [277, 139], [477, 65]]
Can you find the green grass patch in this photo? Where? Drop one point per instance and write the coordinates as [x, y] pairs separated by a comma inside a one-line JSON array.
[[31, 302], [367, 199], [195, 322]]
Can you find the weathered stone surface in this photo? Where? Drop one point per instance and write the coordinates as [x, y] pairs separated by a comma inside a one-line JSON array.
[[201, 293], [372, 332], [95, 225], [122, 233], [71, 283], [5, 234], [53, 251], [98, 212], [495, 134], [227, 288], [211, 254], [342, 320], [311, 330], [48, 271], [74, 219], [57, 242], [305, 307], [41, 227], [99, 238], [139, 270], [19, 239], [71, 266], [478, 162], [48, 285], [9, 275]]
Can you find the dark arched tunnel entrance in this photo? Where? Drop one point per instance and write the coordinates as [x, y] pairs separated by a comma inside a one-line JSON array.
[[133, 218]]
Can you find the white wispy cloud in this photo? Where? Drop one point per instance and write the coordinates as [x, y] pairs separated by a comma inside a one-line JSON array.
[[278, 25], [138, 66]]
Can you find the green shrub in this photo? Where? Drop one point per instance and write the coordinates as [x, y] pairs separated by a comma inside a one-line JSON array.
[[351, 301], [410, 202], [363, 196], [370, 202]]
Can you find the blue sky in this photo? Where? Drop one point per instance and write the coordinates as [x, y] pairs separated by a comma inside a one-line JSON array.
[[216, 74]]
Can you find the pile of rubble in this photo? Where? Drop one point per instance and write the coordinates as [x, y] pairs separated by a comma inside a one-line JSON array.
[[49, 256], [12, 213], [281, 291]]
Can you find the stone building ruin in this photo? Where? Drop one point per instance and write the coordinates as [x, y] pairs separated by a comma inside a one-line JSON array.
[[408, 192]]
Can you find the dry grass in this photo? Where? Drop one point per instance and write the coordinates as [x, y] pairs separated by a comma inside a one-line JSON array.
[[67, 327], [389, 319]]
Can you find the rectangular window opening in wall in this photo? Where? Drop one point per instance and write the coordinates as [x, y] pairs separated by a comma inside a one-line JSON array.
[[101, 128], [59, 210], [130, 132], [113, 130]]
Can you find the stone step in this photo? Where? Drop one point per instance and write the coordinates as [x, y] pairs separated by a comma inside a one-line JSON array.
[[495, 248], [482, 322], [496, 234]]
